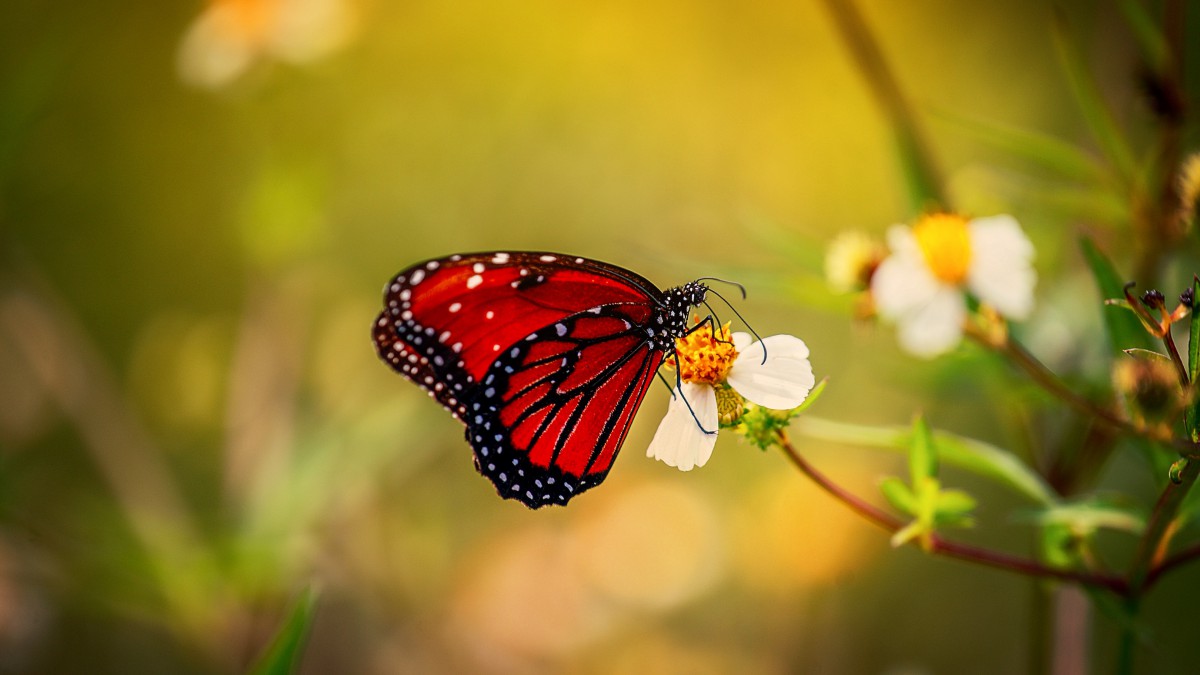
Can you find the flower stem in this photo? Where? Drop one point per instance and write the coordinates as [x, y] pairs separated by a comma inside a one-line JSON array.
[[1148, 562], [1051, 383], [942, 546], [924, 178], [1176, 360]]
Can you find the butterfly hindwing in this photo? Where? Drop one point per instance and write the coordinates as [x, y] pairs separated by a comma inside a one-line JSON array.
[[554, 408]]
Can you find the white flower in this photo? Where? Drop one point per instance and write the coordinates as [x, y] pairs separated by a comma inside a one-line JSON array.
[[921, 285], [230, 35], [709, 366], [851, 260]]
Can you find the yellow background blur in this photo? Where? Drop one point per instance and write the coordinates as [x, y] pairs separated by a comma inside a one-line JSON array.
[[194, 426]]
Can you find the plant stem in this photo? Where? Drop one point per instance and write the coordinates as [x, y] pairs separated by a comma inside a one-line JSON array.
[[1047, 380], [1052, 384], [1147, 563], [942, 546], [924, 179]]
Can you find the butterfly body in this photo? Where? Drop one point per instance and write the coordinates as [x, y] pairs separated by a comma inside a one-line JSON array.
[[544, 357]]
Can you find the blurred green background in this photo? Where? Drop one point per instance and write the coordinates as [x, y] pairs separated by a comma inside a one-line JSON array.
[[194, 426]]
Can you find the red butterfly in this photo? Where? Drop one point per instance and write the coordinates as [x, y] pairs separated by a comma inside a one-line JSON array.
[[544, 357]]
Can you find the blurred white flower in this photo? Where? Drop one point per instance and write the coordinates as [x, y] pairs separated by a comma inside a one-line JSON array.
[[718, 373], [851, 261], [922, 285], [230, 35]]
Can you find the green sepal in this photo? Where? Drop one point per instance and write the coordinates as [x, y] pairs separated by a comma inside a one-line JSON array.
[[761, 426]]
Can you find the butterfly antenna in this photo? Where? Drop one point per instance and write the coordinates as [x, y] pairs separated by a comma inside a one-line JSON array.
[[726, 281], [741, 318], [714, 322]]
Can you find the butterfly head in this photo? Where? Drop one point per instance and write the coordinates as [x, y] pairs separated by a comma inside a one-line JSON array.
[[676, 308]]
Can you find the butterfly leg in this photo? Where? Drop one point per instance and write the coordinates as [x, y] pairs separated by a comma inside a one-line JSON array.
[[679, 388]]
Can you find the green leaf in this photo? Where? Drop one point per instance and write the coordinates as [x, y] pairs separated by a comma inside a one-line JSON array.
[[899, 495], [1123, 327], [1096, 113], [954, 503], [812, 396], [922, 455], [1148, 355], [1145, 29], [965, 453], [1084, 518], [283, 654], [1043, 150]]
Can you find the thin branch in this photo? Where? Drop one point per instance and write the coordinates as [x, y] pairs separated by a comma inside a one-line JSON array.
[[1052, 384], [944, 547], [924, 179], [1153, 545], [1181, 558]]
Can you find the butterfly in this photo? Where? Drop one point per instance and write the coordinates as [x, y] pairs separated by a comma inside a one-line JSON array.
[[544, 357]]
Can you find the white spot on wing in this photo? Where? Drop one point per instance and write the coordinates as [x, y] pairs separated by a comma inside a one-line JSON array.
[[417, 277], [547, 258], [454, 307], [489, 315], [474, 281]]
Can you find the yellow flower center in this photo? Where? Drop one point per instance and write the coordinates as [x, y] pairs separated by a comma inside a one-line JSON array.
[[703, 356], [944, 240]]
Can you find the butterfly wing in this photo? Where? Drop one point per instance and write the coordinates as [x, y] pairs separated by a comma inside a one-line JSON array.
[[554, 409], [544, 357]]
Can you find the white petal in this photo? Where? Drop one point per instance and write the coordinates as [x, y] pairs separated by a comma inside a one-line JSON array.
[[741, 341], [1001, 272], [934, 327], [903, 284], [902, 242], [782, 382], [679, 441]]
